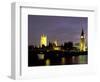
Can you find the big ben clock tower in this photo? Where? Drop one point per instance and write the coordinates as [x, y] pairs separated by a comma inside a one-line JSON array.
[[82, 41]]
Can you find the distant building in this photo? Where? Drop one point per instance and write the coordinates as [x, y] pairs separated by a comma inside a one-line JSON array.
[[43, 40], [82, 41], [56, 43], [81, 46]]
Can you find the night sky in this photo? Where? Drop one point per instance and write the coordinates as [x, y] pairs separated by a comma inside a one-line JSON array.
[[59, 28]]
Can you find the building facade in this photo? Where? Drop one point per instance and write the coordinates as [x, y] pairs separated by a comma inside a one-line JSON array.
[[43, 40]]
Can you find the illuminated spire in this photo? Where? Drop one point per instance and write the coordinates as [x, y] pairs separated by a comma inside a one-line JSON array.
[[82, 32]]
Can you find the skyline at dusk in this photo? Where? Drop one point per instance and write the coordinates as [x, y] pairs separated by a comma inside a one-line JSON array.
[[60, 28]]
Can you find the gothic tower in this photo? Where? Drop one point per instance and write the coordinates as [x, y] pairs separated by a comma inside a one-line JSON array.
[[82, 41], [43, 40]]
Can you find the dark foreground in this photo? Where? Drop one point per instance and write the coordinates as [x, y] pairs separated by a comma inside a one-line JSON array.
[[42, 57]]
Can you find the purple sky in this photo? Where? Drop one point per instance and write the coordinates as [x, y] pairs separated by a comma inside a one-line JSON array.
[[58, 28]]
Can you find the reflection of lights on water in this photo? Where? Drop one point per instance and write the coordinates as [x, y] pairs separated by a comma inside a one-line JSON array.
[[57, 54], [48, 50], [82, 59], [47, 62], [41, 52], [41, 56], [63, 60], [73, 59]]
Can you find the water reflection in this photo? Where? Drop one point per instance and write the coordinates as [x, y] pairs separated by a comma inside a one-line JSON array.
[[63, 60], [56, 58], [81, 59], [47, 62], [41, 56]]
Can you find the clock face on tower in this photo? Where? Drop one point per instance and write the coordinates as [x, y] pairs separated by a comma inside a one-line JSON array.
[[82, 36]]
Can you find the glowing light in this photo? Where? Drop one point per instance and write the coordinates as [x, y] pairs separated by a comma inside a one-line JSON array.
[[82, 36], [63, 60], [56, 48], [48, 62], [41, 56], [55, 42], [43, 40]]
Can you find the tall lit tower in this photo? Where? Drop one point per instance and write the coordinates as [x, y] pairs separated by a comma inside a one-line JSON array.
[[43, 40], [82, 38], [82, 41]]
